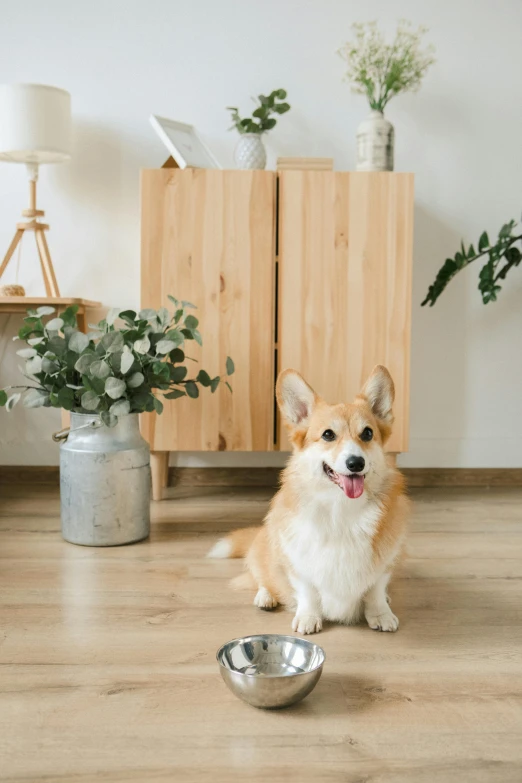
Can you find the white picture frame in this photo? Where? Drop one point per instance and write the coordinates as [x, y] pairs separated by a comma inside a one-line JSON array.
[[184, 144]]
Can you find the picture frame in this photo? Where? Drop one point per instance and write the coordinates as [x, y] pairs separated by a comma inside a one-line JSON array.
[[183, 144]]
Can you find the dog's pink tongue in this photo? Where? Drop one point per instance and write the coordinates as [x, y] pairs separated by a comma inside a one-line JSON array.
[[352, 486]]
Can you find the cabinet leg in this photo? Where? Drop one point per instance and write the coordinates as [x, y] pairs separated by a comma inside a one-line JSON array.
[[159, 465]]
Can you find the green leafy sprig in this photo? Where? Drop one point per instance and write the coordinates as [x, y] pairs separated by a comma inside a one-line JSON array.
[[113, 370], [268, 105], [502, 256]]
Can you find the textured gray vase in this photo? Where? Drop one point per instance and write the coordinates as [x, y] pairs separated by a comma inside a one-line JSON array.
[[375, 143], [250, 152], [104, 482]]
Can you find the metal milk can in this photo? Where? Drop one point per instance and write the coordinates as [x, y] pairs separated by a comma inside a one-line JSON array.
[[104, 482]]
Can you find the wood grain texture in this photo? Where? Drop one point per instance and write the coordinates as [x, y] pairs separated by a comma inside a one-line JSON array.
[[208, 237], [107, 656], [345, 254], [481, 478]]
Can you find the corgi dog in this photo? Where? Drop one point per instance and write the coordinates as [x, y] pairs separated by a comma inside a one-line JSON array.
[[336, 526]]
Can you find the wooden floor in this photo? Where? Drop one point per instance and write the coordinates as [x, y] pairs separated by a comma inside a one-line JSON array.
[[107, 667]]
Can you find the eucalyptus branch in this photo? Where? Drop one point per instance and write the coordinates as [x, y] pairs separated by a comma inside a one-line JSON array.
[[117, 370]]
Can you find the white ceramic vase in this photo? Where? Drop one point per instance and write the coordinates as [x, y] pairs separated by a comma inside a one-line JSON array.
[[250, 152], [375, 143]]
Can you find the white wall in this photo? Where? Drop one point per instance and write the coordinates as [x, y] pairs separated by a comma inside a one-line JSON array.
[[461, 135]]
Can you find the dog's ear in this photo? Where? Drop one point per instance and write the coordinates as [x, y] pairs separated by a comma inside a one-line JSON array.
[[296, 399], [379, 391]]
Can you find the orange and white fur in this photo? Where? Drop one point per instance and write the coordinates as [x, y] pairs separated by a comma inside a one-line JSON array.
[[336, 527]]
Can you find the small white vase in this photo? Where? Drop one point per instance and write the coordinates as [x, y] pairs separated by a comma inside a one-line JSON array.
[[375, 143], [250, 152]]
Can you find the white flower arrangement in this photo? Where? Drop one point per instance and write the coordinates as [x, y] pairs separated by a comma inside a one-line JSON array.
[[380, 70]]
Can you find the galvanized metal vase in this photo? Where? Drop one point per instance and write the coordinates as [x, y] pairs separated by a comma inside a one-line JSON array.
[[104, 482]]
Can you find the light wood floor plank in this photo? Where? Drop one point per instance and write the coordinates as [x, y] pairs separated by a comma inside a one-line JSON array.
[[107, 656]]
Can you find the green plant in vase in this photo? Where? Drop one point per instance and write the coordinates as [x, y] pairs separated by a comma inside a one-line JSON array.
[[250, 152], [114, 370], [380, 71]]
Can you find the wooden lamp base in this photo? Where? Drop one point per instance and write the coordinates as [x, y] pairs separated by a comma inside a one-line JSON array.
[[33, 224]]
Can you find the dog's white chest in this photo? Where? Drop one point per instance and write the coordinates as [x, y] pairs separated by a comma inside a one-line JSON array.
[[333, 551]]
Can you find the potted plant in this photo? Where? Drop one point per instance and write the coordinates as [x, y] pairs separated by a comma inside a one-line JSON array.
[[502, 255], [380, 71], [250, 151], [105, 379]]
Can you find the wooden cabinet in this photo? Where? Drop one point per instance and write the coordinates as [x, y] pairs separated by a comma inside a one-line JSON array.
[[345, 248], [341, 302], [209, 237]]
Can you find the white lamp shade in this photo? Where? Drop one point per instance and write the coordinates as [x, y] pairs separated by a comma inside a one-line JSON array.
[[35, 123]]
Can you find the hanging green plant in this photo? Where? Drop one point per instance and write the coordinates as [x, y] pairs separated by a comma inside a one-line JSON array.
[[502, 255]]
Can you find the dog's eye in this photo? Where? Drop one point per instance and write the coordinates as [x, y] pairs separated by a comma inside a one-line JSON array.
[[367, 433], [328, 435]]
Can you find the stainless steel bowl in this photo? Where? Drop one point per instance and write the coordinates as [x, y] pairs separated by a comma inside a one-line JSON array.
[[269, 670]]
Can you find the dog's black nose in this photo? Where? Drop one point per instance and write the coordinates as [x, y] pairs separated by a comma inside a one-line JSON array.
[[355, 464]]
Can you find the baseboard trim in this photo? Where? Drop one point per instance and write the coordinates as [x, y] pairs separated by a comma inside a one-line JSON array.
[[269, 477]]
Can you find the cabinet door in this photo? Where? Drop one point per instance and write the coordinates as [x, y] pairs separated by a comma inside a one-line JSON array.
[[208, 237], [345, 253]]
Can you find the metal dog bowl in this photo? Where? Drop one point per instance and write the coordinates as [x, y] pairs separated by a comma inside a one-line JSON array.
[[270, 670]]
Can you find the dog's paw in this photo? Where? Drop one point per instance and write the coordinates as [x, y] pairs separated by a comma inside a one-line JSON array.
[[264, 599], [386, 621], [307, 623]]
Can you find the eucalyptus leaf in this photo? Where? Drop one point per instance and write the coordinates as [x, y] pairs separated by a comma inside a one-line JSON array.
[[3, 397], [173, 395], [127, 360], [191, 389], [108, 418], [27, 353], [158, 405], [45, 310], [12, 400], [142, 346], [204, 378], [57, 345], [115, 388], [112, 341], [99, 369], [78, 342], [191, 322], [34, 365], [66, 398], [214, 383], [49, 366], [35, 398], [135, 380], [120, 408], [112, 315], [54, 325], [230, 366], [165, 346], [90, 401], [84, 362], [163, 316], [147, 314], [35, 340], [197, 336]]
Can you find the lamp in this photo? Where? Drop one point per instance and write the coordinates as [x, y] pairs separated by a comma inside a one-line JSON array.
[[35, 128]]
